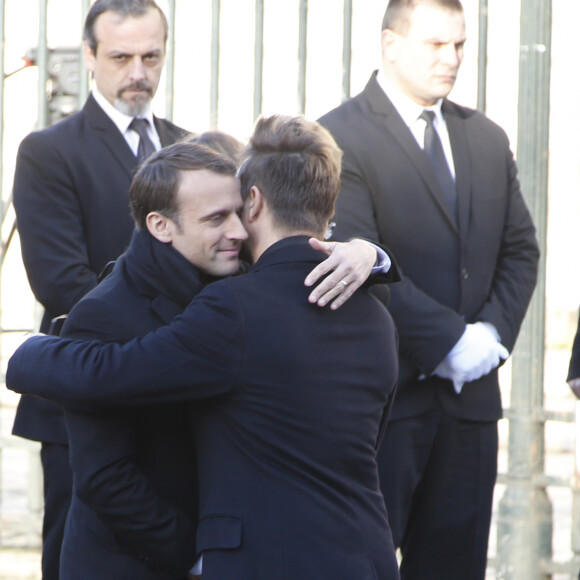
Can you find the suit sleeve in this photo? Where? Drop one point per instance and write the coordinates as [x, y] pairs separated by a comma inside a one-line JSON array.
[[50, 225], [103, 448], [391, 276], [431, 332], [198, 356], [516, 270]]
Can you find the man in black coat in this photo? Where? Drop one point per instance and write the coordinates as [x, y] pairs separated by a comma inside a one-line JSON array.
[[133, 511], [297, 397], [70, 195], [460, 230]]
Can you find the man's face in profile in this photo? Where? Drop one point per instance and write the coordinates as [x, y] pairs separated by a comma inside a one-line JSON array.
[[208, 231], [425, 59]]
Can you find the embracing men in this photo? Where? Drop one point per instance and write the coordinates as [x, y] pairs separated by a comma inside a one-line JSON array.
[[295, 397]]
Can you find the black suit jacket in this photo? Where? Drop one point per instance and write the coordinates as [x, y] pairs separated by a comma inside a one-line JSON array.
[[133, 510], [71, 186], [297, 401], [574, 368], [481, 268]]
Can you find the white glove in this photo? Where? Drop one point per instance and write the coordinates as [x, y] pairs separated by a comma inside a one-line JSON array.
[[476, 353]]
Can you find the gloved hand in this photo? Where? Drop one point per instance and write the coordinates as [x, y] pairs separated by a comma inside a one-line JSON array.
[[476, 353]]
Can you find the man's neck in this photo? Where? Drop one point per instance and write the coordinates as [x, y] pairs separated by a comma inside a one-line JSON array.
[[408, 108], [260, 243], [263, 241]]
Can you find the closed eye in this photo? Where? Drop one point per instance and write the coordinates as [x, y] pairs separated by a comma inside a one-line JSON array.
[[217, 219]]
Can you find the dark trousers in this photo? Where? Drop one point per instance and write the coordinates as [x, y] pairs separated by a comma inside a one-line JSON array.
[[438, 475], [57, 498]]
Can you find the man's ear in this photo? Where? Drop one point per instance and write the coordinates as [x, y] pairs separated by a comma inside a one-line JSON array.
[[89, 57], [389, 45], [160, 227], [254, 203]]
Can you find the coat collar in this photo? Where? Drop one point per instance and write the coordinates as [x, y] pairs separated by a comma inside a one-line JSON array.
[[161, 273], [110, 136], [380, 105], [165, 136], [293, 249], [114, 141]]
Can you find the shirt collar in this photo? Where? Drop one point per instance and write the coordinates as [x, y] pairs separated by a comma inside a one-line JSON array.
[[406, 107]]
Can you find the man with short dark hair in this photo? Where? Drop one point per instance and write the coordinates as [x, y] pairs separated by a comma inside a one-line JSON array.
[[133, 512], [70, 195], [126, 74], [296, 397], [437, 183]]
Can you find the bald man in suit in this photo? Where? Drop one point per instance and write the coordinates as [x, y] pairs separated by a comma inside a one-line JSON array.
[[436, 183]]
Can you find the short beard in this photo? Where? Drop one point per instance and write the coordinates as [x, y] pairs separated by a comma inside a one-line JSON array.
[[140, 104], [134, 108]]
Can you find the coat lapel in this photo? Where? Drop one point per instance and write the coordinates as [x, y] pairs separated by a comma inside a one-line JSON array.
[[166, 136], [462, 162], [381, 106], [293, 250], [110, 136]]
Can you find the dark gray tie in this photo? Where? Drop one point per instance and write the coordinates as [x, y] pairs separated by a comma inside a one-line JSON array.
[[146, 146], [434, 151]]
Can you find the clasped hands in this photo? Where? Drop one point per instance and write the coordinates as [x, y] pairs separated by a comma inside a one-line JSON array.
[[476, 353]]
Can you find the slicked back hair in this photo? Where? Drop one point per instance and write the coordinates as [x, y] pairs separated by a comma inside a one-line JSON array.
[[398, 13], [296, 165], [155, 185], [124, 8]]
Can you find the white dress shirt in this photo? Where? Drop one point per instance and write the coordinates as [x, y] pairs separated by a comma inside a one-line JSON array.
[[410, 112], [123, 121]]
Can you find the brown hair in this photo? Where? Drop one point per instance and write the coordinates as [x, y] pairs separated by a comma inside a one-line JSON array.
[[398, 13], [296, 165], [154, 186], [223, 143], [124, 8]]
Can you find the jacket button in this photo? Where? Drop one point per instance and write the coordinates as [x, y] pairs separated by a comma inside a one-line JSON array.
[[465, 273]]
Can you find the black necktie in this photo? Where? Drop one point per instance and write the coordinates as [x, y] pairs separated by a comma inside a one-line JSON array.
[[434, 151], [146, 146]]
